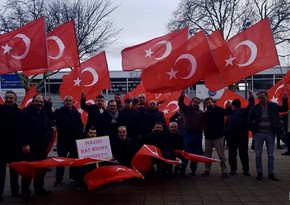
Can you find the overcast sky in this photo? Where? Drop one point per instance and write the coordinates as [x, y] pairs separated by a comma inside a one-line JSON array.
[[140, 21]]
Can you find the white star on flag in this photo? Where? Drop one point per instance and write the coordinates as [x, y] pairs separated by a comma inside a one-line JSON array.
[[6, 48], [166, 111], [172, 74], [275, 100], [77, 82], [230, 60], [148, 52]]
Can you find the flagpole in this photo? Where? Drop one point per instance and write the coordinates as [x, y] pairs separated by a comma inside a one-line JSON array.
[[282, 77]]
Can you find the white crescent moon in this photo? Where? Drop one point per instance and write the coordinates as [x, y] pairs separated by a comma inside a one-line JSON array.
[[26, 41], [253, 49], [28, 101], [60, 45], [94, 74], [58, 160], [91, 102], [192, 60], [173, 103], [167, 51], [279, 87], [225, 103], [155, 153]]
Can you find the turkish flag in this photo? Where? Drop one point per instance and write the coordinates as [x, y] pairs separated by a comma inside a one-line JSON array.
[[149, 96], [27, 169], [245, 54], [1, 100], [24, 48], [148, 53], [142, 160], [62, 49], [170, 106], [184, 67], [216, 39], [195, 157], [276, 92], [28, 97], [91, 77], [229, 95], [107, 174]]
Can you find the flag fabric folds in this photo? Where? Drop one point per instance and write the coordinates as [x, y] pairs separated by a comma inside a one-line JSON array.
[[108, 174], [91, 77], [148, 53], [229, 95], [245, 54], [62, 49], [195, 157], [27, 169], [184, 67], [27, 100], [142, 160], [24, 48]]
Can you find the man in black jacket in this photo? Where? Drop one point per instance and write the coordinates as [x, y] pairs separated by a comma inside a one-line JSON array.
[[69, 128], [236, 129], [37, 136], [214, 135], [11, 143]]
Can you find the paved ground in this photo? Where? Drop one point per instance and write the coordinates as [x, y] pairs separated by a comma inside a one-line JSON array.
[[186, 190]]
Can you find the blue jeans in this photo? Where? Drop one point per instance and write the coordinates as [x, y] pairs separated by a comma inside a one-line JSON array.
[[269, 138], [192, 140]]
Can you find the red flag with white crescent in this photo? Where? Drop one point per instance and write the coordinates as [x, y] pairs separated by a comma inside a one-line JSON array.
[[107, 174], [143, 55], [142, 160], [195, 157], [24, 48], [229, 95]]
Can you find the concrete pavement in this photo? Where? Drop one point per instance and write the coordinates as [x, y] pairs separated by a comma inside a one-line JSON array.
[[187, 190]]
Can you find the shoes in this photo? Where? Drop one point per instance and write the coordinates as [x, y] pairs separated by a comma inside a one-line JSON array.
[[27, 197], [247, 174], [233, 173], [1, 198], [73, 181], [279, 147], [272, 176], [205, 174], [57, 183], [286, 153], [193, 174], [225, 175], [42, 191], [16, 195], [259, 177]]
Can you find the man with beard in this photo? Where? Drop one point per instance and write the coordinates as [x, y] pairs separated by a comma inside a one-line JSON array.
[[193, 127], [37, 136], [11, 143]]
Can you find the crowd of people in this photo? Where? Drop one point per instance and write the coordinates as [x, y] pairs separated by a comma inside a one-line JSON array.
[[25, 135]]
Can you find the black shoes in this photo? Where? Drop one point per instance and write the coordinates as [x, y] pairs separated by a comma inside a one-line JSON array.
[[233, 173], [1, 198], [259, 177], [286, 153], [272, 177], [57, 183], [16, 195], [42, 191], [27, 197], [247, 174], [225, 175], [205, 174]]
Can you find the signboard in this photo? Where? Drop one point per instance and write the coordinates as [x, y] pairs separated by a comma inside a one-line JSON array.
[[10, 81], [95, 147], [203, 92]]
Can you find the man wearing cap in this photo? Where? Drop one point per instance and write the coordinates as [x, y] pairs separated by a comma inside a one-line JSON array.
[[236, 131]]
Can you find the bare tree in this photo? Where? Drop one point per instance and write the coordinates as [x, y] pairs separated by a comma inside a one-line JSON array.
[[233, 16], [95, 30]]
